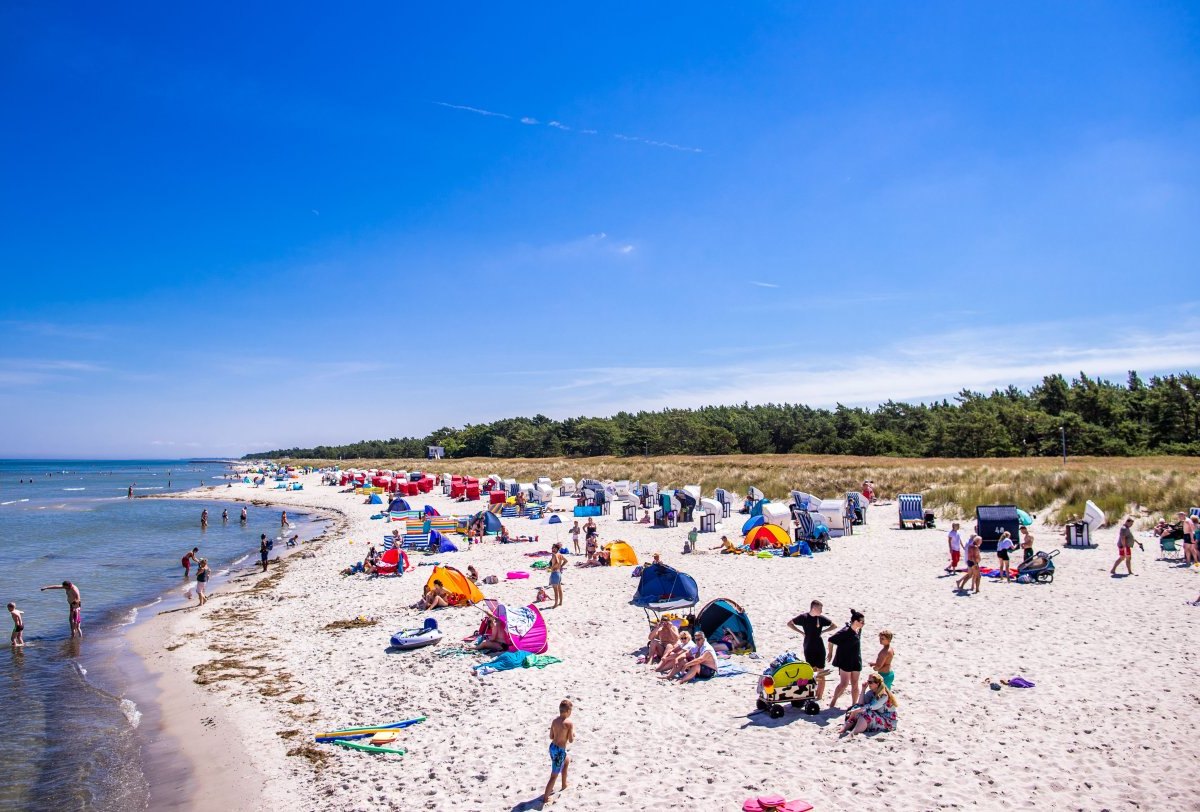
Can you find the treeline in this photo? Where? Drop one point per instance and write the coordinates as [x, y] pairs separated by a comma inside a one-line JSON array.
[[1101, 418]]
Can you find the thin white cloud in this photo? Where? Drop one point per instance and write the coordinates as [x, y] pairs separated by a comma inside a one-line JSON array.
[[764, 284], [474, 110], [51, 330], [33, 372], [625, 249], [558, 125]]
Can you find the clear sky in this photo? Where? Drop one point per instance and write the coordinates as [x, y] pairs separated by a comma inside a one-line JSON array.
[[228, 228]]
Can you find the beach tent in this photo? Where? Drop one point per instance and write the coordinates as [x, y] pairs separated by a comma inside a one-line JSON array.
[[375, 499], [440, 543], [777, 513], [392, 561], [722, 614], [491, 522], [621, 554], [662, 584], [430, 510], [457, 584], [768, 535], [753, 522], [525, 626], [398, 505]]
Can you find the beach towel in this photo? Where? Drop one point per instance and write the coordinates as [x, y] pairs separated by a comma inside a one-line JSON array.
[[514, 659], [730, 670]]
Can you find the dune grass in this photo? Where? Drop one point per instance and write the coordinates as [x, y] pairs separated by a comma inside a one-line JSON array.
[[1142, 485]]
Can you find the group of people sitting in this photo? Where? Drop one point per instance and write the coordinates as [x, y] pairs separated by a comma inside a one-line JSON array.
[[683, 656]]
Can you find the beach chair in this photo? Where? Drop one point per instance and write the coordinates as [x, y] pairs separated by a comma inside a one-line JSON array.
[[1168, 545], [857, 505], [912, 510]]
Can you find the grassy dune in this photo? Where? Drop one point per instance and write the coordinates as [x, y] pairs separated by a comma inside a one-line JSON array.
[[1145, 485]]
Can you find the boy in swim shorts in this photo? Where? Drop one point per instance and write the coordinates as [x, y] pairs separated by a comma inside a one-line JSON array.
[[562, 733], [18, 632]]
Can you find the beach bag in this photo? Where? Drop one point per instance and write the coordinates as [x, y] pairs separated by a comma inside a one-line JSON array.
[[491, 579], [637, 571]]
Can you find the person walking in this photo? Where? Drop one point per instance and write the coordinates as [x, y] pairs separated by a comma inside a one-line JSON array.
[[1003, 546], [1125, 542], [954, 540], [202, 575], [974, 555], [848, 642]]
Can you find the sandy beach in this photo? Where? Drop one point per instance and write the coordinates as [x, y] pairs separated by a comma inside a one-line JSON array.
[[248, 679]]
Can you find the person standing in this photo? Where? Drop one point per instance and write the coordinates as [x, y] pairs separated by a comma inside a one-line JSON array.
[[848, 641], [974, 555], [1003, 546], [1026, 547], [130, 491], [263, 549], [283, 522], [225, 516], [562, 733], [245, 516], [204, 519], [74, 606], [1125, 542], [18, 633], [812, 624], [202, 575], [557, 562], [1191, 555], [575, 531], [954, 540]]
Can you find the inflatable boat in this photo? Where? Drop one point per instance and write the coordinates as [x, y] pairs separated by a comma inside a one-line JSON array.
[[427, 635]]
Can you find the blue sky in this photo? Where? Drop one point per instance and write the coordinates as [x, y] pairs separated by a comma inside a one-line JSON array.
[[226, 228]]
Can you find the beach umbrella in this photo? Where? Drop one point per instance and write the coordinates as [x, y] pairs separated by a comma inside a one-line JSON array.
[[1024, 518]]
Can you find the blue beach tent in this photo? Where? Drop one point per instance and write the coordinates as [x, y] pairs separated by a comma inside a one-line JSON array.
[[398, 505], [375, 500], [662, 584], [722, 614]]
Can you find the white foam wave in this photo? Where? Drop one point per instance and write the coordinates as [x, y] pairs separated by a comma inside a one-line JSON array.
[[130, 709], [82, 671], [239, 560], [74, 489], [150, 488], [132, 615], [10, 502]]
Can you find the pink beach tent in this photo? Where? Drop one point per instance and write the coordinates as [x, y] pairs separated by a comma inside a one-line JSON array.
[[525, 626]]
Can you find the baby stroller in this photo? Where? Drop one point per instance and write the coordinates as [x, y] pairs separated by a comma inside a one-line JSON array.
[[1039, 569], [787, 679]]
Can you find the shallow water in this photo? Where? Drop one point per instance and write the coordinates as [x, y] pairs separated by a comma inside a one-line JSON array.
[[72, 740]]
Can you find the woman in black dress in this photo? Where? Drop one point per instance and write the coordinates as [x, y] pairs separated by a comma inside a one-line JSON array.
[[848, 659]]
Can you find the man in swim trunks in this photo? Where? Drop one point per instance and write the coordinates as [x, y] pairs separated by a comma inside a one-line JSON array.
[[244, 516], [1125, 542], [187, 560], [562, 733], [18, 633], [74, 604], [557, 562], [812, 625], [263, 549]]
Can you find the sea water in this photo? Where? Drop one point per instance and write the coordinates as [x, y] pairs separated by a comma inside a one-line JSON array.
[[71, 735]]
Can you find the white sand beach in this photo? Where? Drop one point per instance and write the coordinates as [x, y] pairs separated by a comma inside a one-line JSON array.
[[1110, 724]]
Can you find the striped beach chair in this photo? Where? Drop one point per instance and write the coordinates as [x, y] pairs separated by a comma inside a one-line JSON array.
[[509, 512], [416, 541], [912, 510], [533, 511]]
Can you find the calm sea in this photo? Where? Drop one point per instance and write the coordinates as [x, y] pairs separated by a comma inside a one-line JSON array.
[[71, 738]]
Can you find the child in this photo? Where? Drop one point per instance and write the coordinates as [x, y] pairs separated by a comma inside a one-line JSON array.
[[955, 541], [202, 581], [562, 733], [18, 633], [883, 660]]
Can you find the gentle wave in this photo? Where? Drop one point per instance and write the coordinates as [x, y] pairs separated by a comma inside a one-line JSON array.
[[74, 489], [130, 709], [14, 501]]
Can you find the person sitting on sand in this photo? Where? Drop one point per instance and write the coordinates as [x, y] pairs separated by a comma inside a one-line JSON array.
[[604, 558], [396, 539], [702, 664], [868, 491], [645, 517], [676, 655], [663, 637], [505, 538], [494, 637], [472, 573], [726, 546], [876, 710], [433, 598]]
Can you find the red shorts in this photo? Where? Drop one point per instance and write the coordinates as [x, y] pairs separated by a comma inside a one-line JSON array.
[[954, 556], [1124, 552]]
